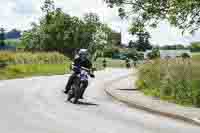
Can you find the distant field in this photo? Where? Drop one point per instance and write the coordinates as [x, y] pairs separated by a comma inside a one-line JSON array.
[[195, 53]]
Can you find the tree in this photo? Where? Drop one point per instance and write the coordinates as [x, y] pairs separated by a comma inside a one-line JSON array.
[[184, 14], [48, 8], [92, 23], [131, 44], [143, 44], [98, 44], [31, 39], [92, 19], [2, 37]]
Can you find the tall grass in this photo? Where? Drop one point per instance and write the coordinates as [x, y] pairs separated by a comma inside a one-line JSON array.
[[25, 64], [176, 80], [21, 71], [32, 58]]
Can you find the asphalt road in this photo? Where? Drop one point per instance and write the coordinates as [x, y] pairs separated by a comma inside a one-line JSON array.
[[37, 105]]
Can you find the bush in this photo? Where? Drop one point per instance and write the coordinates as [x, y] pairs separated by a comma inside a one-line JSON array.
[[132, 54], [154, 54], [6, 58], [140, 56], [111, 51], [108, 52], [185, 55]]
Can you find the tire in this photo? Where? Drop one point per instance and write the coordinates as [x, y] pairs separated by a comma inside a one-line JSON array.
[[71, 93], [77, 94], [75, 101], [83, 87], [70, 96]]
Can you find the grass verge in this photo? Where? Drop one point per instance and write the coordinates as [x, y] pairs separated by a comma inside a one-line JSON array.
[[29, 70]]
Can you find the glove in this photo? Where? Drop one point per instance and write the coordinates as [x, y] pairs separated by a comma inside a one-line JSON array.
[[92, 75]]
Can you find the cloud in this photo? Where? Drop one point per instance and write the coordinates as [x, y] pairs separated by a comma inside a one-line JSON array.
[[20, 13], [24, 7], [165, 34]]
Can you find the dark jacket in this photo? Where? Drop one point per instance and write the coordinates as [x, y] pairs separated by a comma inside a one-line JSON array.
[[80, 63]]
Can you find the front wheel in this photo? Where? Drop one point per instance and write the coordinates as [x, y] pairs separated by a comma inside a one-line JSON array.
[[79, 92], [70, 96], [75, 101]]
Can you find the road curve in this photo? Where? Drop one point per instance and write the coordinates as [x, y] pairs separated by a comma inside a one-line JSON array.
[[37, 105]]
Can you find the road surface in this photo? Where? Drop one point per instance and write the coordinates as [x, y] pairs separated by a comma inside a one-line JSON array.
[[37, 105]]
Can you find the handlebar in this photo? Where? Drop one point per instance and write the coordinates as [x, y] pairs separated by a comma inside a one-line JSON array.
[[86, 69]]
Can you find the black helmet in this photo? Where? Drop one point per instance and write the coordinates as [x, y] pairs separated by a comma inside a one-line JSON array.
[[83, 53]]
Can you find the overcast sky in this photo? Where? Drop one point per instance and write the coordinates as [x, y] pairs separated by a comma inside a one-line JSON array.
[[20, 13]]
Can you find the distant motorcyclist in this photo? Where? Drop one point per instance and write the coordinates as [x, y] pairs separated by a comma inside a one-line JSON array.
[[128, 65], [80, 61]]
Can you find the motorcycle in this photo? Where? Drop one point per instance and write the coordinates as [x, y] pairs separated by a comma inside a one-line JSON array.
[[79, 84]]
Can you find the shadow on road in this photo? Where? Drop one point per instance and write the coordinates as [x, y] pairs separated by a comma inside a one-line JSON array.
[[86, 103], [128, 89]]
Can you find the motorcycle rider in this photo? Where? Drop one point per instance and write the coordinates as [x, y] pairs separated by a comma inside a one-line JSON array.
[[80, 61]]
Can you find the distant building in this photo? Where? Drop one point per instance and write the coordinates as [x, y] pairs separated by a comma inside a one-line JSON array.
[[169, 53]]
